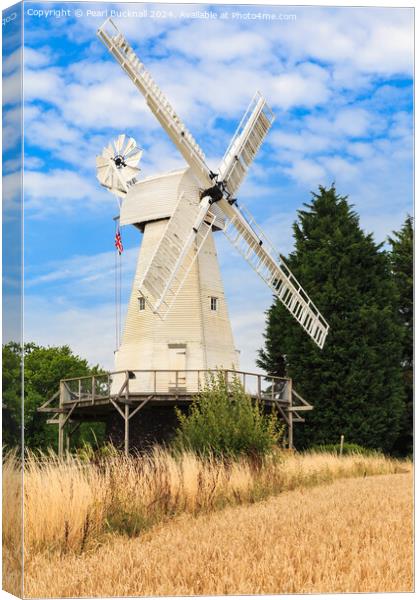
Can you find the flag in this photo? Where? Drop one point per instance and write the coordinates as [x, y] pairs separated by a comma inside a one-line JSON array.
[[118, 242]]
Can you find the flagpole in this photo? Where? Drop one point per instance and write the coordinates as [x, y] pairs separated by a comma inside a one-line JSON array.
[[117, 281], [117, 345]]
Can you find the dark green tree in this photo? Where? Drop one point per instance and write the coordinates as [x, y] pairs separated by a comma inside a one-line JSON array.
[[355, 382], [11, 395], [402, 255], [43, 369]]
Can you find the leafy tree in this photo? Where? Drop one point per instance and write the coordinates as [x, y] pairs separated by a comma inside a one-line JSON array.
[[12, 394], [43, 369], [355, 382], [401, 256], [223, 421]]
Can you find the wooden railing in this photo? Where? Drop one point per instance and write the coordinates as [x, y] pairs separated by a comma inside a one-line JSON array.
[[129, 391], [158, 382]]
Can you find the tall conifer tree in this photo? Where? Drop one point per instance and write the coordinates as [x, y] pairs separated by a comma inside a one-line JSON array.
[[402, 270], [355, 382]]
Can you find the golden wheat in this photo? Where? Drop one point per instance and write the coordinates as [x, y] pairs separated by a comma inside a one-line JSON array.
[[12, 524], [69, 504], [349, 536]]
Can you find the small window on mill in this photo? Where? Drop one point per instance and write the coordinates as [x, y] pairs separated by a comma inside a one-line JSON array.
[[142, 303], [213, 303]]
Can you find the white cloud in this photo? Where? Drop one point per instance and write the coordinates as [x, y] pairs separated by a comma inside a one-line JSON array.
[[193, 41], [12, 88], [339, 169], [346, 122], [33, 162], [307, 172], [306, 85], [12, 195], [360, 149], [11, 165], [388, 48], [12, 62], [363, 40], [352, 122], [48, 130], [60, 190], [36, 58], [43, 84], [303, 141]]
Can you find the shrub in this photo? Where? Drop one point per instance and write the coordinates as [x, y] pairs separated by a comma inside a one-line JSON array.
[[347, 449], [224, 421]]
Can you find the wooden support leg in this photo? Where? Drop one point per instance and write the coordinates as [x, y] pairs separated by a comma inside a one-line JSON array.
[[126, 416], [126, 428], [61, 419], [290, 415], [290, 441]]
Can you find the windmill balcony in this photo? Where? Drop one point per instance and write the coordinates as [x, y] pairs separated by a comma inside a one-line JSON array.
[[114, 398]]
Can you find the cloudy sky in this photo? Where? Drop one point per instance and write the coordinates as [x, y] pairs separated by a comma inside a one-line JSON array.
[[338, 79]]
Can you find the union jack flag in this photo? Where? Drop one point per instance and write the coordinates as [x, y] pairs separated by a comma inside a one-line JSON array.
[[118, 242]]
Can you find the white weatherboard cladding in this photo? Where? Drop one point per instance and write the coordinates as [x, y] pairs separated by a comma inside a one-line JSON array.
[[216, 324], [148, 342], [156, 198]]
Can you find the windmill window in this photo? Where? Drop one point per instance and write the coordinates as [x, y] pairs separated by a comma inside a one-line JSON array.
[[142, 303], [213, 303]]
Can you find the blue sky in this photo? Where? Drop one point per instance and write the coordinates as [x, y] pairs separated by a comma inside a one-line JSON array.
[[338, 79]]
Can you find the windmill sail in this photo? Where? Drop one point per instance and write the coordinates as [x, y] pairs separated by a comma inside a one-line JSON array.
[[155, 98], [245, 144], [250, 241], [182, 240]]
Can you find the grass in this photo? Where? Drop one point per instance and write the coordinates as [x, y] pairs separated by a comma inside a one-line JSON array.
[[72, 508], [349, 536], [12, 533]]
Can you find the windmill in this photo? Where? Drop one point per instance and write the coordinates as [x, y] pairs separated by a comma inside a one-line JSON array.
[[177, 316]]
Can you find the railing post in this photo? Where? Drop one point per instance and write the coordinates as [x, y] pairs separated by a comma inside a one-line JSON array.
[[80, 389], [93, 389], [61, 421], [259, 387], [290, 407]]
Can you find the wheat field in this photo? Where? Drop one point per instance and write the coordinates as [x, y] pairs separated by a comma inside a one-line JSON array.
[[349, 536], [80, 516]]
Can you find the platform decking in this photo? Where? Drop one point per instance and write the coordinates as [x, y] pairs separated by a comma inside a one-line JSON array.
[[93, 398]]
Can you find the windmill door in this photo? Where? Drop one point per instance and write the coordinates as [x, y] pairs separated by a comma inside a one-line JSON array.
[[177, 365]]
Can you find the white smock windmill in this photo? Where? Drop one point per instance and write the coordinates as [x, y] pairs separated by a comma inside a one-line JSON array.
[[177, 316]]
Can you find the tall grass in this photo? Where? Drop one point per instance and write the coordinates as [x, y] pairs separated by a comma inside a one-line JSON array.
[[70, 506], [12, 498]]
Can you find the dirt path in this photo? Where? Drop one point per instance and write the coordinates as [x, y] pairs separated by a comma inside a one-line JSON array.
[[354, 535]]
